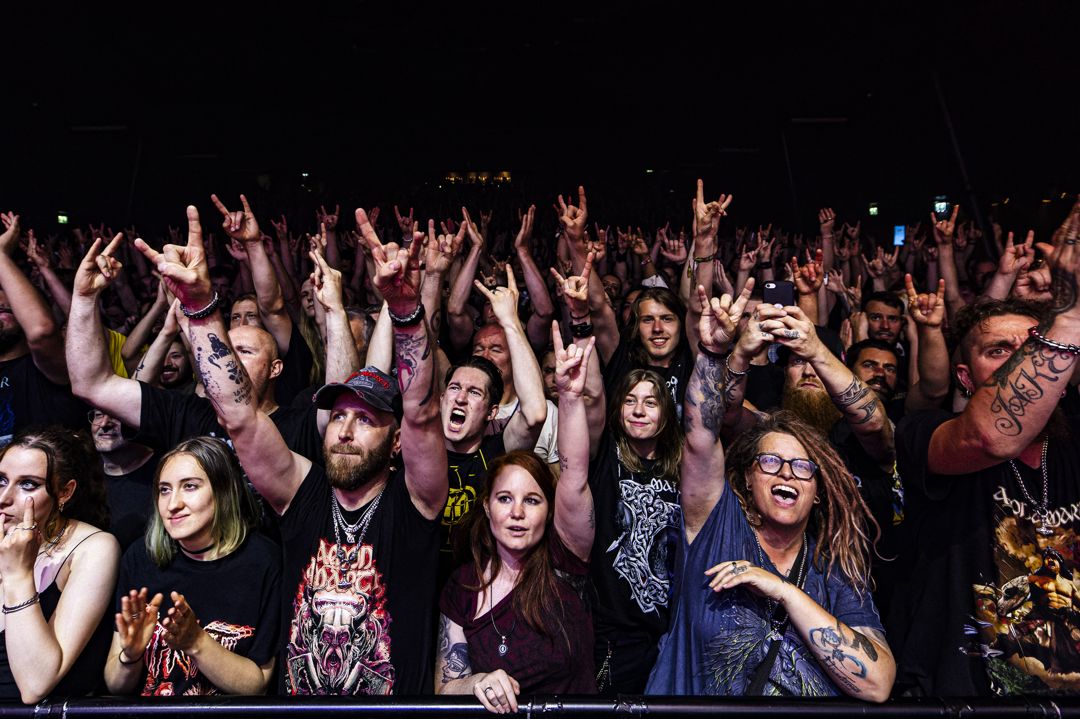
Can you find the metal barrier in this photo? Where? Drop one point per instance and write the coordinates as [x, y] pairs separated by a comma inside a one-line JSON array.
[[730, 708]]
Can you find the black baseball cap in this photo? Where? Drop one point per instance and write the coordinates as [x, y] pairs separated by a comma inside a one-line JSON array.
[[370, 384]]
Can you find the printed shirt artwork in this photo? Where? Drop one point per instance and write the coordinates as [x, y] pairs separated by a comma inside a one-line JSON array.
[[466, 475], [1026, 622], [645, 516], [339, 640], [171, 672]]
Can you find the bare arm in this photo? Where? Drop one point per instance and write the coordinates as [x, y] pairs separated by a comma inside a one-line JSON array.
[[543, 308], [140, 334], [706, 223], [928, 312], [460, 321], [574, 516]]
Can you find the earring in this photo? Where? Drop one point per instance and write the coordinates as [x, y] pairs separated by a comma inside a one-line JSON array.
[[817, 499], [63, 503]]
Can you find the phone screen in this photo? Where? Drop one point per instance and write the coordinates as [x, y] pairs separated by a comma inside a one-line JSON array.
[[899, 235]]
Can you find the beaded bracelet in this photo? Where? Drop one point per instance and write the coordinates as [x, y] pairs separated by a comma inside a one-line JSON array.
[[205, 311], [1070, 349], [408, 320], [22, 605]]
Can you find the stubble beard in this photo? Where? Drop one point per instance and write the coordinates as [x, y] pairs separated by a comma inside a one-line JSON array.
[[348, 475]]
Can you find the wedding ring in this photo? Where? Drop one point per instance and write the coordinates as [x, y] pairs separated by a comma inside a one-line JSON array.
[[486, 690]]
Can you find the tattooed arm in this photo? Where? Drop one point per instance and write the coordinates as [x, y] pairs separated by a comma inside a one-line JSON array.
[[1016, 381], [858, 403], [496, 690], [712, 385], [397, 278], [274, 470]]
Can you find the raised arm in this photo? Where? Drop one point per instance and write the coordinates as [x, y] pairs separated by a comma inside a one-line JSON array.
[[397, 277], [523, 429], [858, 403], [243, 227], [543, 308], [460, 321], [274, 470], [928, 313], [1014, 260], [946, 260], [92, 376], [440, 252], [42, 333], [711, 389], [1010, 410], [706, 224], [574, 518]]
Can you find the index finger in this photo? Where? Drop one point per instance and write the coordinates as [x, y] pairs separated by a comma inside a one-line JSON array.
[[220, 205], [113, 244], [28, 512], [556, 338], [909, 285], [586, 271], [581, 198], [700, 193], [246, 206], [486, 292], [739, 305], [511, 281], [366, 230], [194, 228]]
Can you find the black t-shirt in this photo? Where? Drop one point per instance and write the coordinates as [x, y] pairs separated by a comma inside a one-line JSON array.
[[466, 472], [359, 614], [28, 398], [637, 517], [168, 418], [985, 611], [296, 369], [676, 374], [235, 599], [765, 386], [879, 487], [130, 498]]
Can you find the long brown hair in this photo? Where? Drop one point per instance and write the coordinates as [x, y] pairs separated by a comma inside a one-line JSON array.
[[669, 437], [536, 594], [68, 455], [660, 295], [840, 522]]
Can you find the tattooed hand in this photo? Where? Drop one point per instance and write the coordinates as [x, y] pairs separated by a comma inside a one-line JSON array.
[[731, 574]]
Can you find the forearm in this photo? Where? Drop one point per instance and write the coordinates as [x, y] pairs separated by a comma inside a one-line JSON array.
[[123, 678], [89, 366], [151, 364], [61, 293], [463, 283], [34, 655], [946, 267], [333, 254], [228, 671], [861, 666], [341, 356], [539, 296], [999, 287], [223, 376], [827, 254], [380, 350], [29, 307], [431, 297], [141, 332], [528, 381], [267, 290], [933, 362]]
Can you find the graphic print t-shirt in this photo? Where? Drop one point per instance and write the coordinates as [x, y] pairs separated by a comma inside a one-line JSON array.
[[467, 472], [1001, 601], [234, 599], [359, 615], [717, 640], [634, 549]]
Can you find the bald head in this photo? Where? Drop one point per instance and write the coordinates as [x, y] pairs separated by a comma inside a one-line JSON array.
[[257, 351]]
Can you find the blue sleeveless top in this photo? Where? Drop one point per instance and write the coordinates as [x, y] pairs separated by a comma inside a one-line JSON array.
[[716, 641]]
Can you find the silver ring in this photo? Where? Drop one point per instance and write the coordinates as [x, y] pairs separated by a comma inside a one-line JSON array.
[[1072, 241], [487, 689]]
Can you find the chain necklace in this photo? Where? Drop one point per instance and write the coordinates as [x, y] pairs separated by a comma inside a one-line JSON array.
[[354, 534], [776, 622], [504, 648], [1040, 515], [45, 548]]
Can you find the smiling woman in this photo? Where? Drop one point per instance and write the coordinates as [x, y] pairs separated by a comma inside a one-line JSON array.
[[199, 540]]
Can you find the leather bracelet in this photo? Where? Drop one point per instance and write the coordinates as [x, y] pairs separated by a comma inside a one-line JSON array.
[[413, 318], [22, 605], [205, 311], [1074, 350], [581, 331], [579, 318], [708, 352], [707, 258], [764, 265], [120, 658]]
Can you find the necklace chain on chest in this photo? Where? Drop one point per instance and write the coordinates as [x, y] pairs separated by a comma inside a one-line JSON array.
[[775, 621], [504, 647], [1040, 515], [354, 534]]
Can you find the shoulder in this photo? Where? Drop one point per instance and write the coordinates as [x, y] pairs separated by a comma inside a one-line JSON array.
[[92, 555]]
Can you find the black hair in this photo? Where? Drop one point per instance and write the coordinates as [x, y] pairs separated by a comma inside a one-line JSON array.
[[856, 349], [495, 383], [886, 298]]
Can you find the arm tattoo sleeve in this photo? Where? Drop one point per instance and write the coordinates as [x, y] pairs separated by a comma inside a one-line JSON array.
[[859, 400], [1016, 386], [412, 349], [708, 394], [454, 657]]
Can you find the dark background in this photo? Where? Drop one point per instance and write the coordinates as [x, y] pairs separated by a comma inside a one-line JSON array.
[[127, 114]]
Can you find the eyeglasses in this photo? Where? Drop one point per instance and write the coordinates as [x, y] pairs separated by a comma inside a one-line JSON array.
[[94, 416], [801, 468]]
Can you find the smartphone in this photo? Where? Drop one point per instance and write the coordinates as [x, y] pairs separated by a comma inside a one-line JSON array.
[[779, 292], [942, 208], [899, 234]]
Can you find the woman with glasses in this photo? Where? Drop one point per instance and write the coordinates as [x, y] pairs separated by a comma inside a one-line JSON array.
[[770, 594]]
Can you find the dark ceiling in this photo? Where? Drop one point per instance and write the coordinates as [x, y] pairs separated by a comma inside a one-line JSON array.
[[128, 113]]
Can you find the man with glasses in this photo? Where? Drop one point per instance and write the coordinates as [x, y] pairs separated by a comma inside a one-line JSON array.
[[129, 471]]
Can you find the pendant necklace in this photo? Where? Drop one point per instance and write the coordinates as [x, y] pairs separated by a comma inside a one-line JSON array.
[[504, 648], [354, 534], [1040, 515], [776, 622]]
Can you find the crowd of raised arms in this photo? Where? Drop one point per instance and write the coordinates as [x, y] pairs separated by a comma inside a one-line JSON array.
[[516, 456]]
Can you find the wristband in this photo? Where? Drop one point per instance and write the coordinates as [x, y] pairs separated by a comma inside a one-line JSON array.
[[22, 605], [1034, 334], [579, 318], [581, 331], [764, 265], [707, 258], [733, 373], [120, 658], [646, 260], [413, 318], [205, 311]]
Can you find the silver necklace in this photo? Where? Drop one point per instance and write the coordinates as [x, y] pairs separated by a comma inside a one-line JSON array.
[[504, 648], [1040, 515], [354, 534], [776, 623]]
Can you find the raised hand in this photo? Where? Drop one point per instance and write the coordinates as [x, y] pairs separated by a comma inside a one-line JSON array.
[[19, 543], [927, 310], [1017, 257], [241, 225], [707, 214], [330, 219], [523, 239], [35, 252], [281, 229], [836, 282], [135, 623], [808, 277], [10, 236], [889, 261], [572, 218], [98, 268], [571, 363], [504, 300], [237, 250], [575, 289], [720, 317], [405, 222], [875, 267], [476, 237], [397, 268], [181, 627], [673, 250], [441, 250], [944, 229], [183, 269], [827, 220], [326, 282]]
